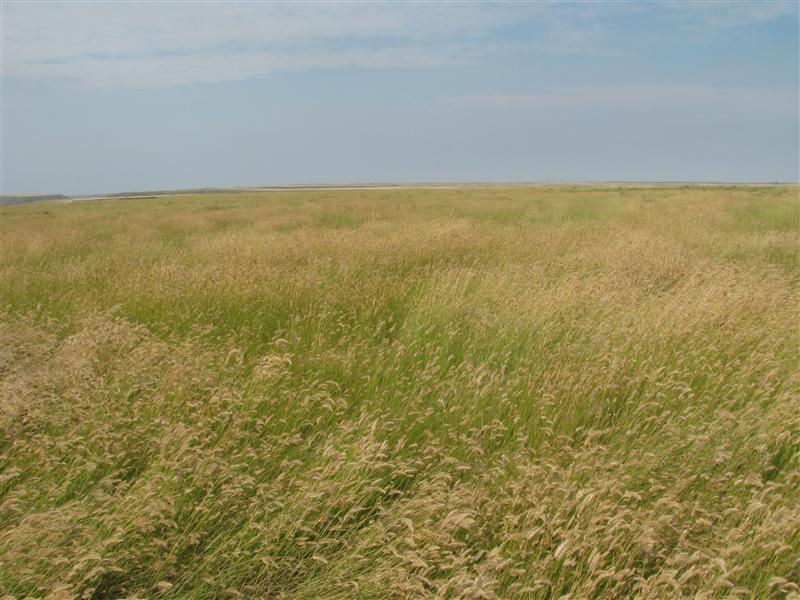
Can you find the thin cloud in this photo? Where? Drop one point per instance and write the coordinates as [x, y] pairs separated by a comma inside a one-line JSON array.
[[731, 14], [657, 97], [153, 45], [107, 45]]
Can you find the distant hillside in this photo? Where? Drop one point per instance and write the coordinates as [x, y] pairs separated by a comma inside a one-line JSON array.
[[154, 193], [26, 198]]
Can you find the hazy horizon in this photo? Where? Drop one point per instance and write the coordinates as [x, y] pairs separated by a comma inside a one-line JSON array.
[[103, 98], [409, 184]]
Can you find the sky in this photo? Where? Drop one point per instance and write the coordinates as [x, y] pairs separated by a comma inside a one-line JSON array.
[[99, 97]]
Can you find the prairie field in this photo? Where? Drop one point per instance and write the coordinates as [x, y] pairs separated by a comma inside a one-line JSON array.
[[541, 392]]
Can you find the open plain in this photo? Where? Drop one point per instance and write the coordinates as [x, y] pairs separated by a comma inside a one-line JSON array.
[[544, 392]]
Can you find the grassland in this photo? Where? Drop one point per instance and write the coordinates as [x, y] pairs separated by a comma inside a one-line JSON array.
[[471, 393]]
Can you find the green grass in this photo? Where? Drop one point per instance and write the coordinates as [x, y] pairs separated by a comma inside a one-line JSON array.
[[471, 393]]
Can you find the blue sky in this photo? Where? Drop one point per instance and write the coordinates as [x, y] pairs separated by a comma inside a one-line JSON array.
[[103, 97]]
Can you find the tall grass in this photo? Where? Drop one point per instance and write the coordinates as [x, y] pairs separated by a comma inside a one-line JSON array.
[[475, 393]]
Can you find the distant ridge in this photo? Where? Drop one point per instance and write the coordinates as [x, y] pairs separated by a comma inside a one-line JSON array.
[[7, 200], [11, 199], [419, 184]]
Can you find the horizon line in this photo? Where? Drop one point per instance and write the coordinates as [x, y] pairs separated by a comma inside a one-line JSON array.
[[387, 185]]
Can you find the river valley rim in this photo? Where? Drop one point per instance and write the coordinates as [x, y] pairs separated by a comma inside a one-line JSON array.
[[501, 392]]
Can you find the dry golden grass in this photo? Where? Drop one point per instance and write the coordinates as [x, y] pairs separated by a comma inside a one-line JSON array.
[[476, 393]]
